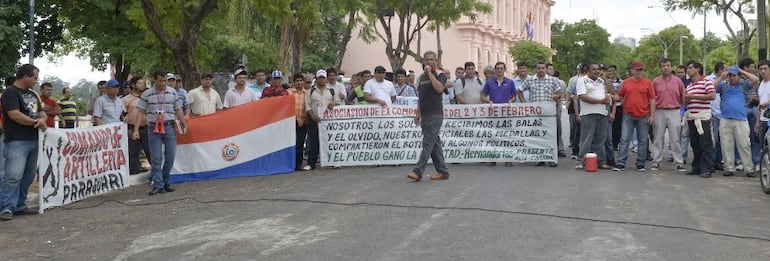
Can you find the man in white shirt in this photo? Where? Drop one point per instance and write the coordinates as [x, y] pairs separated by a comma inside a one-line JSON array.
[[239, 95], [339, 87], [468, 89], [594, 98], [378, 90]]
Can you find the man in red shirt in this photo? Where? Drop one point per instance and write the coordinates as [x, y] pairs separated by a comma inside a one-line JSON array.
[[50, 106], [638, 98], [669, 91], [275, 88]]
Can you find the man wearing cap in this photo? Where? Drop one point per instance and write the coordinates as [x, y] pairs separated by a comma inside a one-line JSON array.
[[275, 88], [176, 82], [160, 107], [669, 91], [109, 108], [203, 100], [734, 126], [239, 94], [50, 106], [430, 115], [378, 90], [320, 98], [638, 97]]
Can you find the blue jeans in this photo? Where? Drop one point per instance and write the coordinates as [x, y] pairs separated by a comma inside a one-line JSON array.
[[20, 165], [684, 141], [642, 128], [162, 153]]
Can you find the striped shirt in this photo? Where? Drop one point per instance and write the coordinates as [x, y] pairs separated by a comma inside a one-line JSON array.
[[700, 87], [69, 110], [153, 102]]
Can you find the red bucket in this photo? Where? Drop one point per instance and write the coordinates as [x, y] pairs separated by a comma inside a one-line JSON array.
[[591, 162]]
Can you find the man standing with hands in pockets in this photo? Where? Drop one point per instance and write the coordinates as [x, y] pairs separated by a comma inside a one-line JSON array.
[[430, 115]]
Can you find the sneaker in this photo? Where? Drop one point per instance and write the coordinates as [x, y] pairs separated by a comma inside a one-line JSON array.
[[619, 168], [680, 168], [25, 212], [739, 167], [655, 166], [728, 173], [705, 175], [579, 166], [307, 168], [605, 166], [573, 157], [641, 169], [751, 174], [6, 216]]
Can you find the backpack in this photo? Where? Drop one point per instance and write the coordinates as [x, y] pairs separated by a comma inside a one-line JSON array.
[[477, 79], [331, 90]]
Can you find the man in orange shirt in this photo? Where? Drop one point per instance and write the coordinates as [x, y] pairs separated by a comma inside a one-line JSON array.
[[638, 98], [299, 92]]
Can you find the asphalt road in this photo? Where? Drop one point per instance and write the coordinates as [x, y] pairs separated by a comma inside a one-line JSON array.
[[376, 213]]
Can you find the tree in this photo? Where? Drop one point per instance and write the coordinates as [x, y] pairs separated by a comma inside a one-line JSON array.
[[181, 32], [580, 42], [530, 52], [724, 53], [651, 48], [619, 55], [726, 8], [710, 42], [399, 23], [14, 24]]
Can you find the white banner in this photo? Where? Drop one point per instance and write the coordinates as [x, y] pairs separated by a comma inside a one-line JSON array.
[[371, 135], [74, 164]]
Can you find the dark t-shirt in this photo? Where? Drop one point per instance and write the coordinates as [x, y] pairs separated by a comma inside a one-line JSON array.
[[28, 103], [430, 102]]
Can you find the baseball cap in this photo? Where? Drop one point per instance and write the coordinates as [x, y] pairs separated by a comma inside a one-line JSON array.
[[125, 83], [204, 75], [277, 74], [320, 73], [636, 65], [113, 83], [240, 71], [170, 76], [379, 69], [579, 65], [733, 70]]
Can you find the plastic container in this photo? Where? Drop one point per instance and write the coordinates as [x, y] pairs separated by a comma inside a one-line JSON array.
[[591, 162]]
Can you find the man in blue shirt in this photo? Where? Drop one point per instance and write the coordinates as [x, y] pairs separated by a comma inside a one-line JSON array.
[[734, 126]]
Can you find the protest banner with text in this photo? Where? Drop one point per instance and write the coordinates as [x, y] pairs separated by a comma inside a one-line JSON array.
[[372, 135], [74, 164]]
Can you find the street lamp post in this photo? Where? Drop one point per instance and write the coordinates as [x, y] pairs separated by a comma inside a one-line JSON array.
[[31, 31], [662, 43], [681, 35]]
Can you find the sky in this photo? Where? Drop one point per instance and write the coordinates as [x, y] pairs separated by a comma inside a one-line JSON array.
[[618, 17], [627, 18]]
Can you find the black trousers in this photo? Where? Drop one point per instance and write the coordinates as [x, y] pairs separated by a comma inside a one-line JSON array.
[[135, 147], [300, 145], [702, 147], [617, 126]]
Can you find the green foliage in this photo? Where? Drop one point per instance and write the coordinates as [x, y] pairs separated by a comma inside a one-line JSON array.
[[724, 53], [14, 21], [530, 52], [580, 42], [651, 48], [399, 31], [619, 55]]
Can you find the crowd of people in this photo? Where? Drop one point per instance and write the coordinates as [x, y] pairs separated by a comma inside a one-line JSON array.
[[722, 116]]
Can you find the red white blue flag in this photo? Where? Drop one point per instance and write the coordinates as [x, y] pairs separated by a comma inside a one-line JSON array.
[[529, 27]]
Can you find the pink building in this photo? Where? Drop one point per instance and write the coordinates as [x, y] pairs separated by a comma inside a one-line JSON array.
[[484, 42]]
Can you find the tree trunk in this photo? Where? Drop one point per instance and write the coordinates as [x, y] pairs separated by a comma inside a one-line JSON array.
[[439, 51], [346, 39], [287, 46], [182, 47]]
